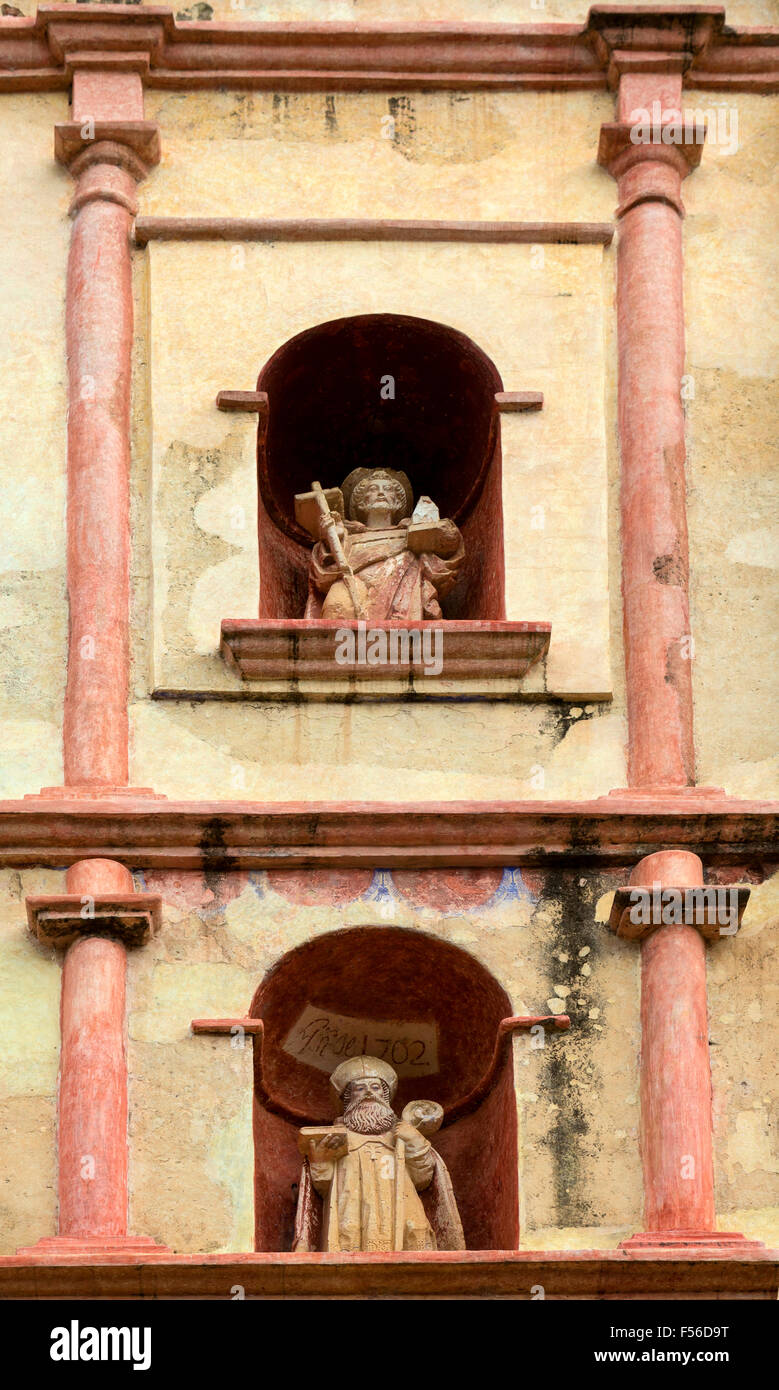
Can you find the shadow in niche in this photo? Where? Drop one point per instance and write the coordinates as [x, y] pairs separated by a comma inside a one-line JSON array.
[[386, 973], [326, 416]]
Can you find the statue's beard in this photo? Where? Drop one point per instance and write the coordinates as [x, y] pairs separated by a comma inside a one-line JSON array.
[[369, 1117], [378, 516]]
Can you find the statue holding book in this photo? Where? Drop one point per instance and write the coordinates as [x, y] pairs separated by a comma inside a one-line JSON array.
[[363, 1176]]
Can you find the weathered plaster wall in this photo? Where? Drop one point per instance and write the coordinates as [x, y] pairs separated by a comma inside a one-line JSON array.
[[743, 985], [739, 12], [29, 1057], [454, 11], [539, 311], [34, 195], [541, 935], [732, 357], [190, 1097]]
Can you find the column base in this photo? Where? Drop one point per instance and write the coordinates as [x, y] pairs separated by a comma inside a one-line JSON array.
[[661, 792], [95, 792], [94, 1245], [712, 1241]]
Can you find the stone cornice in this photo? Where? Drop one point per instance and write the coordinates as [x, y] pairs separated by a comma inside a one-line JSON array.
[[701, 1273], [614, 830], [38, 54]]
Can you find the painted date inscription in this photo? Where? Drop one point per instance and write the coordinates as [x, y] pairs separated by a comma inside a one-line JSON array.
[[322, 1040]]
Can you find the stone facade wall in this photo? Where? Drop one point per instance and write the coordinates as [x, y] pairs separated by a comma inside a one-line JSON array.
[[208, 318], [540, 934]]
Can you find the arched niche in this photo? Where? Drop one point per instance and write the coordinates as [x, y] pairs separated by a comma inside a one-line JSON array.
[[389, 973], [326, 416]]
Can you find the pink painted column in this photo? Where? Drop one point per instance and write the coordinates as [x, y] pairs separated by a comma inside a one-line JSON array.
[[108, 148], [650, 321], [676, 1092], [96, 919], [93, 1073]]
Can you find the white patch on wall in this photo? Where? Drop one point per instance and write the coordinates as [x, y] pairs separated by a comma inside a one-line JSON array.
[[321, 1039]]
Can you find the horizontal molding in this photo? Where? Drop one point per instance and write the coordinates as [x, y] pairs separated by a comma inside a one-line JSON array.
[[612, 830], [367, 229], [36, 54], [468, 1274]]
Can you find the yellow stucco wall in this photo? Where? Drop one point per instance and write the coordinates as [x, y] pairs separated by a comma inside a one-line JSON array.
[[739, 12], [732, 425], [34, 195]]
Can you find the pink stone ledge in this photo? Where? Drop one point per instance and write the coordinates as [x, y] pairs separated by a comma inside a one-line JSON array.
[[307, 649]]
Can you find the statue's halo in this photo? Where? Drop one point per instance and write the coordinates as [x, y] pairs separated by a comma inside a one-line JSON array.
[[358, 475]]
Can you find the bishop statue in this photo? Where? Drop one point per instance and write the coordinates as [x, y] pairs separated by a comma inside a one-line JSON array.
[[363, 1175]]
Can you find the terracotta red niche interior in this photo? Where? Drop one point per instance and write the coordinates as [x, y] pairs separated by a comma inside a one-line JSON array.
[[388, 973], [326, 416]]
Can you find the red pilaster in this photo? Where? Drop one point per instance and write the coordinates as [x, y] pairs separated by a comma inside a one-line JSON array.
[[108, 148], [676, 1098], [650, 319], [92, 1129], [646, 54]]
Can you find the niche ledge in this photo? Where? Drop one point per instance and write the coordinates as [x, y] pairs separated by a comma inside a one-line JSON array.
[[319, 656]]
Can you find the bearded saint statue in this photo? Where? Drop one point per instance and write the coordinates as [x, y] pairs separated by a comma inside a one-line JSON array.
[[374, 557], [362, 1176]]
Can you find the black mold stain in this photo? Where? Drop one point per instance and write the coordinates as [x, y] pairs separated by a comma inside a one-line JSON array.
[[570, 1080], [331, 119], [217, 859], [404, 116], [280, 112], [199, 11], [559, 719]]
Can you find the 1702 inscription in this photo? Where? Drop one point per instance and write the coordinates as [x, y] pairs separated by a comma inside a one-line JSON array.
[[322, 1040]]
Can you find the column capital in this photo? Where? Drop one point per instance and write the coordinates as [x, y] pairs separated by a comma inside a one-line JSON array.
[[59, 919], [650, 159], [133, 145], [667, 890]]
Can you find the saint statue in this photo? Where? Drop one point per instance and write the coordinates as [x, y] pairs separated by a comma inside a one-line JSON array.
[[375, 558], [362, 1175]]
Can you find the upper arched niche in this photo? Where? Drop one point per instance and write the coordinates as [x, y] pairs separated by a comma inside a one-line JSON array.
[[328, 414], [384, 974]]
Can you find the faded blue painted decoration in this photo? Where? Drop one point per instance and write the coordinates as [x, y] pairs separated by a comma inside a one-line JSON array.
[[512, 888], [381, 887]]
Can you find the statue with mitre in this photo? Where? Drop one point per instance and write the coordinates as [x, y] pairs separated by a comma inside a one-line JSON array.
[[376, 556], [363, 1175]]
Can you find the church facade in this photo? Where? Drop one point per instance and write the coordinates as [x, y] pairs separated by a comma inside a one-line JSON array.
[[388, 861]]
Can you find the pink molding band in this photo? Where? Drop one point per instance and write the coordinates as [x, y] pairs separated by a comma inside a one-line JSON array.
[[236, 835], [37, 54]]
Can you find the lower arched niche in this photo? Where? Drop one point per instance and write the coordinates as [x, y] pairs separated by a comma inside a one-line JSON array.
[[452, 1007]]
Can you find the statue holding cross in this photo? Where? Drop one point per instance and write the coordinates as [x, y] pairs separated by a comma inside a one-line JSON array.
[[376, 556]]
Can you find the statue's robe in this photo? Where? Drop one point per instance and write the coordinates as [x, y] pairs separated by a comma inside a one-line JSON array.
[[393, 581], [348, 1203]]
